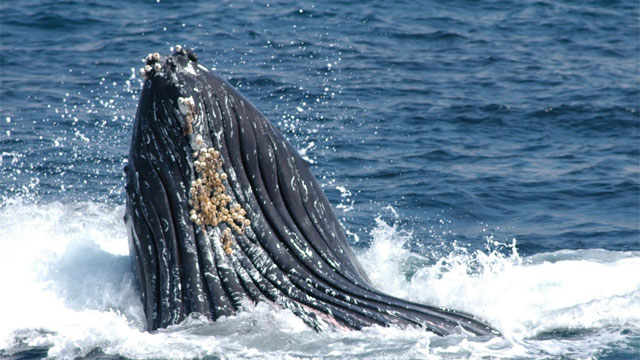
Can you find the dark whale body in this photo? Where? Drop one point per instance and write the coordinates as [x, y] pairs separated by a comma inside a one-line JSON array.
[[222, 212]]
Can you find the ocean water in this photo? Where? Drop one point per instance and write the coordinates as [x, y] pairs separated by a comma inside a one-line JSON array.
[[483, 156]]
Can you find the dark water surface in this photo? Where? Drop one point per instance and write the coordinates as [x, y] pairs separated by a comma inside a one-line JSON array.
[[459, 125]]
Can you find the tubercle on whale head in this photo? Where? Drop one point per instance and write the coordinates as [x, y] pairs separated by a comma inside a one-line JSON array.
[[153, 61]]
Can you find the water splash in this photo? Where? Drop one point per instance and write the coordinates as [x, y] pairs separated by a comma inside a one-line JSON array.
[[576, 302], [70, 271]]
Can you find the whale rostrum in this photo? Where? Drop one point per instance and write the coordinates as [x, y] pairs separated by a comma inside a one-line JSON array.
[[222, 212]]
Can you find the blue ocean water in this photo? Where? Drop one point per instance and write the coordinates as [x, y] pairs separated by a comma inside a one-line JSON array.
[[481, 155]]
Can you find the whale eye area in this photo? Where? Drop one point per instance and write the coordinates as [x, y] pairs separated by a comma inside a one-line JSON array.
[[210, 205]]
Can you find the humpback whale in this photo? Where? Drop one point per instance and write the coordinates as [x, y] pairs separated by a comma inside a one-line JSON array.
[[222, 212]]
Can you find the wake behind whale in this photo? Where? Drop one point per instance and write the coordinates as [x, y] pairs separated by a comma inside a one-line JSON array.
[[222, 211]]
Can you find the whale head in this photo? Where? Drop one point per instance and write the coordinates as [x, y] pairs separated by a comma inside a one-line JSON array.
[[222, 212]]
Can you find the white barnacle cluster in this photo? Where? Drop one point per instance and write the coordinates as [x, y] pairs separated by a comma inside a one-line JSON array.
[[152, 63], [186, 104], [209, 203], [188, 107]]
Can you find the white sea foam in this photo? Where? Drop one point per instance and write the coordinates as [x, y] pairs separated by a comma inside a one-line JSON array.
[[67, 285], [589, 291]]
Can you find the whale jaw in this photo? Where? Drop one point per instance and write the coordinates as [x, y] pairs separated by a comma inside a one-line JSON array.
[[222, 212]]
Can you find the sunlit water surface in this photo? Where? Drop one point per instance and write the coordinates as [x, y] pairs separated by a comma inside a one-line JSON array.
[[482, 156]]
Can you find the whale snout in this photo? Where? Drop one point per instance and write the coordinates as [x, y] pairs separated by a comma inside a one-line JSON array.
[[156, 64]]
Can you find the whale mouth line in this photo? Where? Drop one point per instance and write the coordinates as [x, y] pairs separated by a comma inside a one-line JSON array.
[[222, 210]]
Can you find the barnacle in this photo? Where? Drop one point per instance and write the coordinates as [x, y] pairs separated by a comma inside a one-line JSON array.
[[210, 205], [188, 108]]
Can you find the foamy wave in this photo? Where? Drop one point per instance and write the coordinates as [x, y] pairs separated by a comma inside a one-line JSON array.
[[72, 293], [583, 291]]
